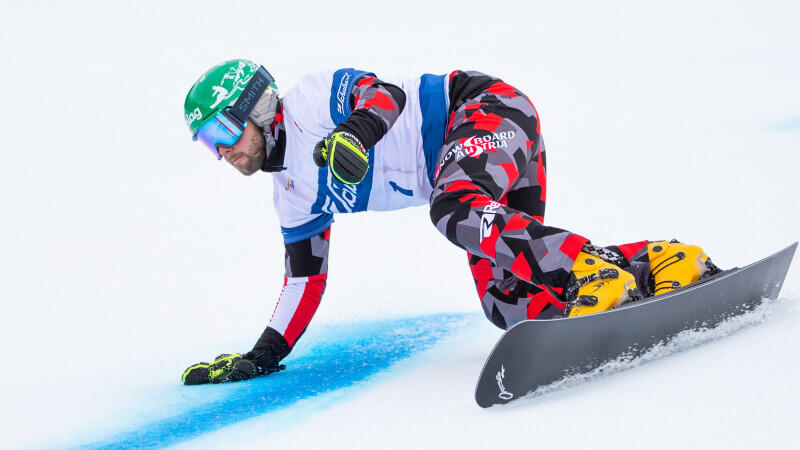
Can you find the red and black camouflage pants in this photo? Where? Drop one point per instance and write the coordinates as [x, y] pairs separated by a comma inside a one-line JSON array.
[[489, 199]]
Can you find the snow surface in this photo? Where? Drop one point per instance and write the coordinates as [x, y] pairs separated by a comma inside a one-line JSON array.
[[127, 252]]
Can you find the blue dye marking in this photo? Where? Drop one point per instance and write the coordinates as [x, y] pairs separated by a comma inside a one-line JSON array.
[[790, 126], [343, 357], [396, 188]]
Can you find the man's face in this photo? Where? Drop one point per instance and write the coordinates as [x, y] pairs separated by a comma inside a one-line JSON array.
[[248, 153]]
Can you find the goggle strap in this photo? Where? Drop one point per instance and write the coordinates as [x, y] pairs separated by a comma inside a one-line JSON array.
[[229, 116], [252, 92]]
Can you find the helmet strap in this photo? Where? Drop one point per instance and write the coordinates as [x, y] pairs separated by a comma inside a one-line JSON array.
[[263, 113], [276, 151]]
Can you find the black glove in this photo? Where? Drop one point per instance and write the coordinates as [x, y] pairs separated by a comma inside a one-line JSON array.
[[225, 368], [270, 349], [343, 151], [195, 374]]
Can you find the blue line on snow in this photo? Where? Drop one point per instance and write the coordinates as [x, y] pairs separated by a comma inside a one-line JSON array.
[[788, 126], [344, 357]]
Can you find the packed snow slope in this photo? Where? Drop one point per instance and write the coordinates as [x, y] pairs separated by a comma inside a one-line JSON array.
[[127, 252]]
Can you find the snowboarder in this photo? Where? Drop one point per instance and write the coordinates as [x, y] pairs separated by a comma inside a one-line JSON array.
[[466, 143]]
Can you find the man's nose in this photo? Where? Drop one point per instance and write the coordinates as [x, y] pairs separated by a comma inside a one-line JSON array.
[[224, 150]]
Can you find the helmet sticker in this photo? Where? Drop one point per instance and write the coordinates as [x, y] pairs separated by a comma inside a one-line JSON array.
[[194, 115], [218, 88], [240, 80]]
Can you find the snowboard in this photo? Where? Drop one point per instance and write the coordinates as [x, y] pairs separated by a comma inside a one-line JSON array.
[[536, 353]]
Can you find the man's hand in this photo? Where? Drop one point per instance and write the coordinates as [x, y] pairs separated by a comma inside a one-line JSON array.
[[345, 155], [195, 374], [225, 368], [263, 359], [231, 368]]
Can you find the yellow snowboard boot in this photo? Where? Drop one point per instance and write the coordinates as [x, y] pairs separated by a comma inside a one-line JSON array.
[[674, 265], [597, 285]]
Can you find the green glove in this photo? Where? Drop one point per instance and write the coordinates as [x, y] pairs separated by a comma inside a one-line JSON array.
[[225, 368], [231, 368], [346, 156], [195, 374]]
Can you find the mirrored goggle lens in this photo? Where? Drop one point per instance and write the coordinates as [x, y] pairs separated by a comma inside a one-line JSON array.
[[220, 130]]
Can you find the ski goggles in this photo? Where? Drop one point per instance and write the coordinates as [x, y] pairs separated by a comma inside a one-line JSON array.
[[226, 127], [222, 129]]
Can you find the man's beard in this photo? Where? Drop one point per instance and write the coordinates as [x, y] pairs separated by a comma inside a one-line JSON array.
[[255, 162]]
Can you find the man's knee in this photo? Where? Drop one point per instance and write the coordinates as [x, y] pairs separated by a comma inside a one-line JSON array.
[[453, 203], [444, 206]]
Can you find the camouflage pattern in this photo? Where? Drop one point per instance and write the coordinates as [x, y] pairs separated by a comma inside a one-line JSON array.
[[372, 95], [489, 199], [308, 257]]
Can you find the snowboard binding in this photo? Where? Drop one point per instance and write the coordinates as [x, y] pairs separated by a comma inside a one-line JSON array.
[[674, 265], [596, 285]]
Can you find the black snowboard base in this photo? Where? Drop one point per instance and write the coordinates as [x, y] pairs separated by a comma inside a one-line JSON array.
[[536, 353]]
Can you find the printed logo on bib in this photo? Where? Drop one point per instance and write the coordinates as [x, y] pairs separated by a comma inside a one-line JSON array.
[[341, 93], [342, 197]]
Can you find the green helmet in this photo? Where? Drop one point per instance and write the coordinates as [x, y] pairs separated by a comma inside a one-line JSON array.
[[217, 89]]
